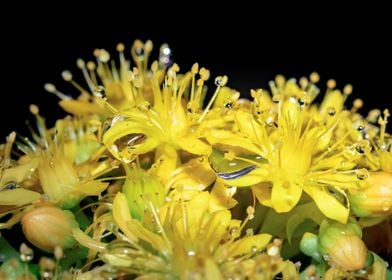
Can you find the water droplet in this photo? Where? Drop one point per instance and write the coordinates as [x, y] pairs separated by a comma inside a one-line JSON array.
[[362, 271], [362, 173], [273, 251], [99, 91], [165, 54], [228, 105], [110, 122], [254, 249], [361, 126], [47, 274], [119, 248], [221, 81], [139, 53], [234, 232], [326, 257], [386, 205], [269, 121], [191, 253], [26, 253], [363, 146], [331, 111], [129, 141], [9, 186]]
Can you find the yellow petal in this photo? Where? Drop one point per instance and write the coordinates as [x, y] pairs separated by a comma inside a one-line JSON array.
[[18, 197], [195, 210], [91, 187], [222, 137], [77, 107], [155, 240], [262, 191], [248, 125], [285, 194], [195, 174], [194, 146], [18, 173], [328, 204], [215, 229], [70, 150], [212, 270], [114, 137], [121, 215], [166, 161], [221, 197], [333, 99], [87, 241], [248, 243]]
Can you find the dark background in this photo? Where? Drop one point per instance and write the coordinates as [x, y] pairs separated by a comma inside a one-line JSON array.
[[251, 55]]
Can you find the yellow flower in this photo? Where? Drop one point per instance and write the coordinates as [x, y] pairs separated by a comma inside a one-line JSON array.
[[68, 159], [186, 239], [289, 146], [115, 80], [170, 120], [15, 192]]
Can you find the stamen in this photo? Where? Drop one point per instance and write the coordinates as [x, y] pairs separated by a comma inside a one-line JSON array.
[[52, 89]]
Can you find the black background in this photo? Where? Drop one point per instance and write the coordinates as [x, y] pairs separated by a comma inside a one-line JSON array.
[[349, 50]]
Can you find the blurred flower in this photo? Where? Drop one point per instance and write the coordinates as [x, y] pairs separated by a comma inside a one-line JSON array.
[[69, 159], [185, 239], [375, 199]]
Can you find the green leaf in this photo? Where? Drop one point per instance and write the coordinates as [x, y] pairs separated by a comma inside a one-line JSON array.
[[279, 224], [83, 220], [7, 252], [74, 257]]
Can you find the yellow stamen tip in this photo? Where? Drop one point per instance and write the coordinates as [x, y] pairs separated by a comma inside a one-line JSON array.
[[34, 109], [66, 75], [120, 47], [331, 83], [314, 77]]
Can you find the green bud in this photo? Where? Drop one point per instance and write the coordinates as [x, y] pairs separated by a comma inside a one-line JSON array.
[[141, 189], [309, 245], [341, 245]]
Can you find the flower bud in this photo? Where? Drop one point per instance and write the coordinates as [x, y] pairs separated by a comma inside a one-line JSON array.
[[342, 246], [309, 245], [376, 199], [47, 227], [140, 189]]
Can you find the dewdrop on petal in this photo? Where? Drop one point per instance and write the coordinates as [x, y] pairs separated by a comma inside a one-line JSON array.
[[47, 227]]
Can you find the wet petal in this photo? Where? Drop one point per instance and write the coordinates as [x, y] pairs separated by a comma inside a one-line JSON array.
[[328, 204], [18, 197], [285, 194]]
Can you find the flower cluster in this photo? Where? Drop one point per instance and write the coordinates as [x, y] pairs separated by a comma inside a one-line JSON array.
[[151, 177]]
